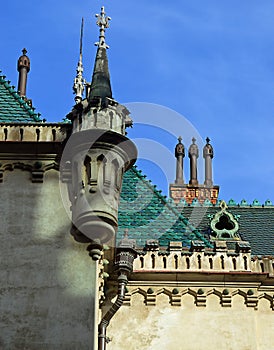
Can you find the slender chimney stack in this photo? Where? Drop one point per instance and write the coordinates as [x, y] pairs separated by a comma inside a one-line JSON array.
[[23, 67], [179, 154], [193, 154], [208, 155], [194, 191]]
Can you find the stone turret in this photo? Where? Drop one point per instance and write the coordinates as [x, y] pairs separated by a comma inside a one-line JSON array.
[[98, 152]]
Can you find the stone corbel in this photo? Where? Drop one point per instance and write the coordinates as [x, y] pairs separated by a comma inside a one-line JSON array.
[[150, 297], [251, 299], [226, 298], [201, 298], [37, 176]]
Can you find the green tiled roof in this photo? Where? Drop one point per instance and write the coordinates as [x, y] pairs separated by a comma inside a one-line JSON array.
[[14, 109], [256, 224], [148, 215]]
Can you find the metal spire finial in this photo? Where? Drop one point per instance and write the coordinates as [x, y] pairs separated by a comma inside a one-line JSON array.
[[180, 139], [79, 81], [103, 23]]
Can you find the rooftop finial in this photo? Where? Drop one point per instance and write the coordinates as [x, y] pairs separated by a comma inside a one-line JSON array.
[[103, 23], [79, 81], [23, 67]]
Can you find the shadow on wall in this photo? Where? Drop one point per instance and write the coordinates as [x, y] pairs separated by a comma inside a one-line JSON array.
[[46, 277]]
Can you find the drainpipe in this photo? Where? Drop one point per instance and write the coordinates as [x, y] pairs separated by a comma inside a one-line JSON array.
[[103, 340], [125, 255]]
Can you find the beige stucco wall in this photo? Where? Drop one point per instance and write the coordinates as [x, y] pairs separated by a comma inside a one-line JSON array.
[[188, 327], [47, 279]]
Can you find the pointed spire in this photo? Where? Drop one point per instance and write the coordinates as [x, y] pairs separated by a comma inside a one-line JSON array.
[[79, 81], [100, 85]]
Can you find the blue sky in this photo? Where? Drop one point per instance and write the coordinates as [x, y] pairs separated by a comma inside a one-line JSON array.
[[210, 61]]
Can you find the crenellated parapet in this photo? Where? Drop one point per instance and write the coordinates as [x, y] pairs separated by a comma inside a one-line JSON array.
[[31, 147], [34, 132], [205, 260]]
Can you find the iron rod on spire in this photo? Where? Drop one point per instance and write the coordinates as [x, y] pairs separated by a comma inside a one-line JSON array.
[[79, 81]]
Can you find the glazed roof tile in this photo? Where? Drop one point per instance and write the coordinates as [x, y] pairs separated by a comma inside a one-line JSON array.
[[256, 223], [149, 215], [13, 108]]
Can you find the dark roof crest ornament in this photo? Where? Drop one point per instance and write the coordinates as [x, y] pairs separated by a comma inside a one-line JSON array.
[[103, 23]]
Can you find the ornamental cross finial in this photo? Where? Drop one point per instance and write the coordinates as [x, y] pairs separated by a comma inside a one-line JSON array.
[[103, 23]]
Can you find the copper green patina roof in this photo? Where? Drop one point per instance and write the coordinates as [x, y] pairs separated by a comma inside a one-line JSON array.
[[13, 108], [148, 215]]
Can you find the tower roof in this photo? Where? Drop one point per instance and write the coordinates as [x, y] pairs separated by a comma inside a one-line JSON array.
[[100, 84], [13, 108]]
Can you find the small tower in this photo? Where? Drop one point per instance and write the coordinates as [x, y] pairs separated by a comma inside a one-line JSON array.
[[98, 152], [23, 67], [193, 190]]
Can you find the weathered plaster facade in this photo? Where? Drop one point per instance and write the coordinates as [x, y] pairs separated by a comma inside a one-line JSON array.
[[194, 305], [46, 294]]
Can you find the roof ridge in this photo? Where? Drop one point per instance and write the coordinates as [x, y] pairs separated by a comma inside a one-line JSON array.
[[18, 99], [255, 203]]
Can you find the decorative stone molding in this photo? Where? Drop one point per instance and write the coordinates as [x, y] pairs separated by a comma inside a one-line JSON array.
[[199, 294], [36, 168]]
